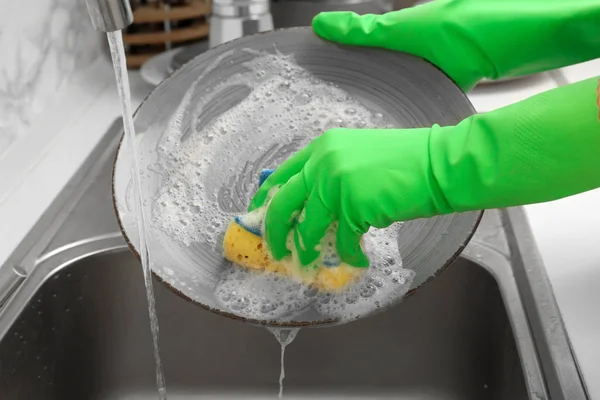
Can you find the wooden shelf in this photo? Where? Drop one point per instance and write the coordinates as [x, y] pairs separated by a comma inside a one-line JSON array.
[[136, 60], [147, 37], [150, 14], [179, 35]]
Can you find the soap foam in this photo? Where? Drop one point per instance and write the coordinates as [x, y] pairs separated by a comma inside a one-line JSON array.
[[266, 295], [262, 295], [210, 174], [205, 175], [384, 283]]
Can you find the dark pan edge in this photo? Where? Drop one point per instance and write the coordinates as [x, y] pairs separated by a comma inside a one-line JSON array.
[[288, 324]]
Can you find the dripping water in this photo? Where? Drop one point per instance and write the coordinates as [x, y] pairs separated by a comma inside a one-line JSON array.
[[117, 51], [284, 336]]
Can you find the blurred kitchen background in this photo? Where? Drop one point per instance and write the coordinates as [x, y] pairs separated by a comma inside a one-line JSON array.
[[57, 86], [58, 98], [47, 44]]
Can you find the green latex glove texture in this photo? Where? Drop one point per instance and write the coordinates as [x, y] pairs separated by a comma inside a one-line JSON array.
[[540, 149], [474, 39]]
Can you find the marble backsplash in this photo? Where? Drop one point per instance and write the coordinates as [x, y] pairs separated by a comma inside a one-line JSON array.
[[43, 45]]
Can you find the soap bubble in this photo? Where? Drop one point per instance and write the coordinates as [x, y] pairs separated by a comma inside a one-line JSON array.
[[209, 176]]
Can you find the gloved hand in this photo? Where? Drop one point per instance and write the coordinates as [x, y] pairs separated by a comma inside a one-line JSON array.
[[540, 149], [517, 155], [474, 39], [360, 178]]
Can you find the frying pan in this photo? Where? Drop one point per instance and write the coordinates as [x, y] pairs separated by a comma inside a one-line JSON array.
[[409, 91]]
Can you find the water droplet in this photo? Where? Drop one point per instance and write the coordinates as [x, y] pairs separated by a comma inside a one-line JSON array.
[[352, 298], [325, 299], [310, 291], [368, 290], [267, 307], [398, 279], [377, 282], [240, 304]]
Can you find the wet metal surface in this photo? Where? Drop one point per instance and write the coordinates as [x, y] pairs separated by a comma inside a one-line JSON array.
[[77, 327]]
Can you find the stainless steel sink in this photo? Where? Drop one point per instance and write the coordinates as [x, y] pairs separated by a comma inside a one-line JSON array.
[[77, 326]]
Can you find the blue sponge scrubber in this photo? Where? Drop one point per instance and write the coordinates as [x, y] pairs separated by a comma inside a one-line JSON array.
[[264, 174]]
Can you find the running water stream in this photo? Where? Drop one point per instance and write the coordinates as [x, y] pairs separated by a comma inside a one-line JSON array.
[[284, 336], [361, 297], [117, 51]]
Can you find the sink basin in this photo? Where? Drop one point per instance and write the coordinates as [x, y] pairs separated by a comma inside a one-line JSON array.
[[84, 334], [74, 323]]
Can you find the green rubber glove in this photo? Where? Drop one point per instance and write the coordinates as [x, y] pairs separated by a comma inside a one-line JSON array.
[[540, 149], [474, 39]]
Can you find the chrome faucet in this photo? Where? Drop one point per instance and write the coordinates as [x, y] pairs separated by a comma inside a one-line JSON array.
[[110, 15], [232, 19]]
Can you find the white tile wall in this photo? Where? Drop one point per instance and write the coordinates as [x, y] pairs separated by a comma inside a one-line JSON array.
[[43, 45], [52, 71]]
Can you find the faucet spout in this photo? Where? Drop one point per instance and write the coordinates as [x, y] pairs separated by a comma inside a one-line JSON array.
[[110, 15]]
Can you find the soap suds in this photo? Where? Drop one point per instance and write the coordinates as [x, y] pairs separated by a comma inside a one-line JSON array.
[[267, 295], [210, 174], [384, 283]]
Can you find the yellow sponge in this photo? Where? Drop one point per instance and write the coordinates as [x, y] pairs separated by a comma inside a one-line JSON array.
[[336, 278], [248, 250]]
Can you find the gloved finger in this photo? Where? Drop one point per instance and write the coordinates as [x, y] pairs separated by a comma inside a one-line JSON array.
[[400, 30], [380, 30], [281, 214], [348, 244], [288, 169], [345, 26], [419, 31], [312, 224]]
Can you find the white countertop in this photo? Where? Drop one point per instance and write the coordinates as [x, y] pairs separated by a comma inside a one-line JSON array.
[[40, 165], [566, 231]]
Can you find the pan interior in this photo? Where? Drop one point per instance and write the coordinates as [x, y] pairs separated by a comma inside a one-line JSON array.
[[206, 132]]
